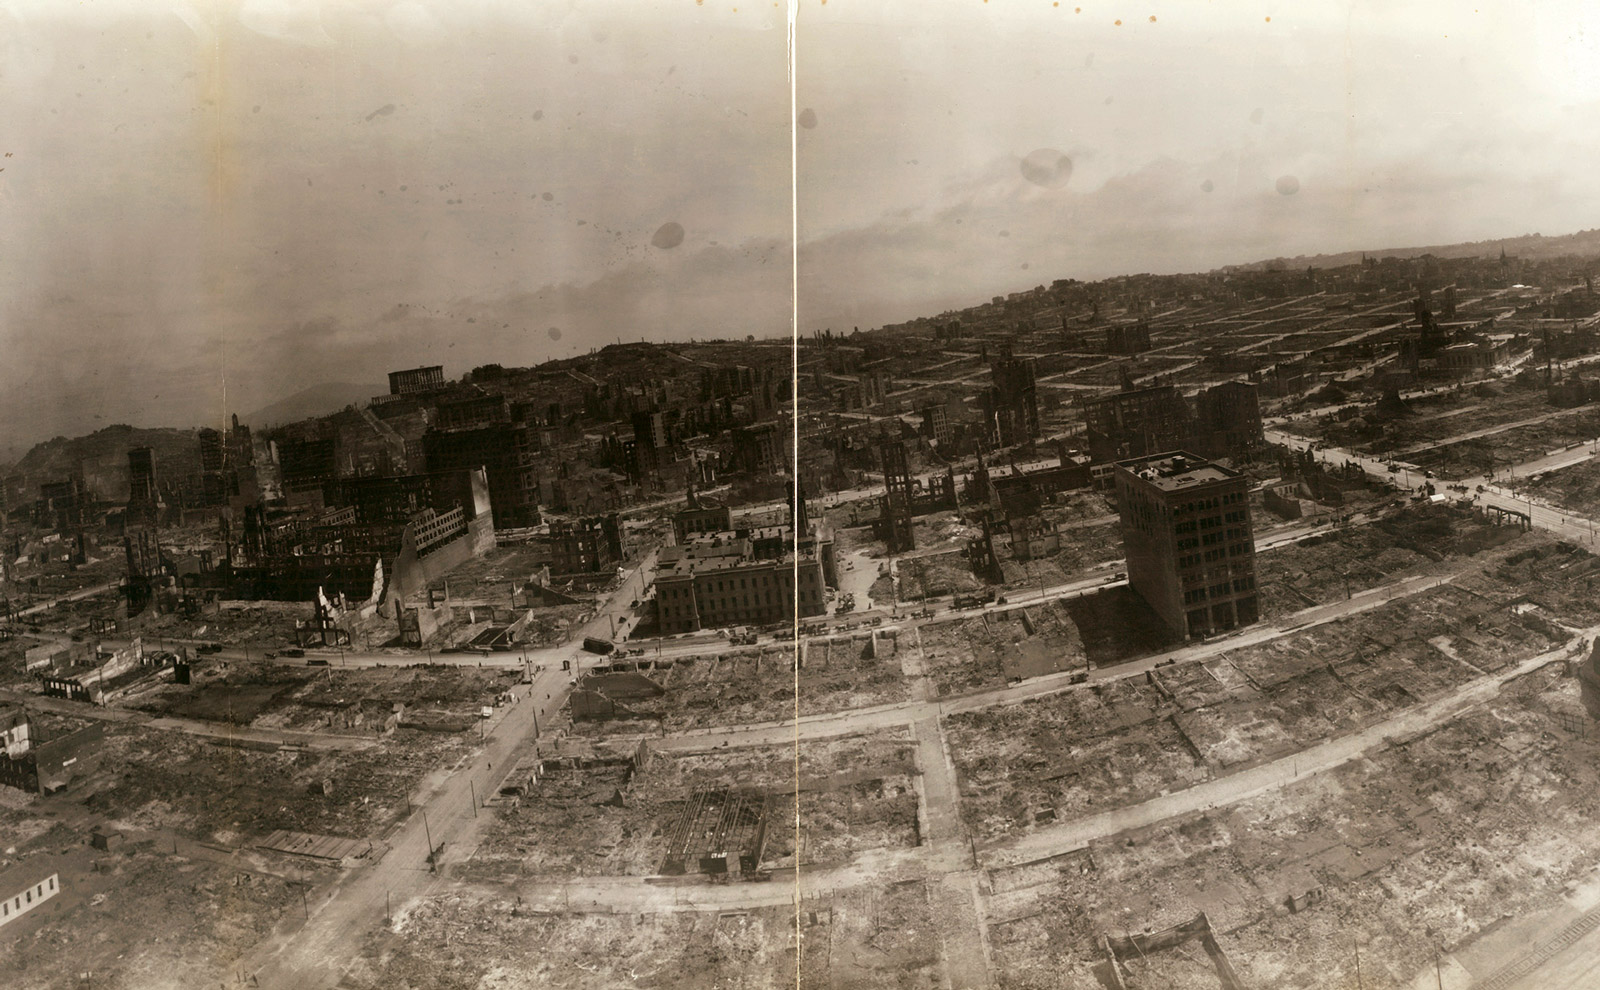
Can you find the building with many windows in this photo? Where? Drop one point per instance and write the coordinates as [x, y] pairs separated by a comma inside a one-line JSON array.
[[716, 583], [1187, 536], [20, 898], [416, 380]]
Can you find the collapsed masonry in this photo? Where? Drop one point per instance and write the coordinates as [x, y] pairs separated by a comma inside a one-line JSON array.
[[610, 695], [1123, 949], [384, 541], [719, 831], [32, 761]]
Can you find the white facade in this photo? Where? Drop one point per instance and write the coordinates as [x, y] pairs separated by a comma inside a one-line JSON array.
[[20, 903]]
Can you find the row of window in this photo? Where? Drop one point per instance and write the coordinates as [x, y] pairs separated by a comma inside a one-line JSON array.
[[713, 604], [16, 903], [1220, 590], [1214, 502]]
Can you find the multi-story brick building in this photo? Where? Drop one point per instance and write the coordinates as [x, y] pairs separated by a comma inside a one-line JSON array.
[[1135, 422], [1011, 404], [721, 582], [1187, 536]]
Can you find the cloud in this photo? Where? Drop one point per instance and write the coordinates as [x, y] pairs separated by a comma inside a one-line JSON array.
[[1171, 215], [297, 22]]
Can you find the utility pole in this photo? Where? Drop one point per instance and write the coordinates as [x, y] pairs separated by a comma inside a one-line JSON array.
[[429, 833], [474, 788]]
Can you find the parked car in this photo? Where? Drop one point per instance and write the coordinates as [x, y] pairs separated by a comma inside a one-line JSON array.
[[294, 651]]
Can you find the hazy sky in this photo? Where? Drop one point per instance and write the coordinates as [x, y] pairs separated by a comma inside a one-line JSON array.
[[275, 195], [267, 195], [1389, 124]]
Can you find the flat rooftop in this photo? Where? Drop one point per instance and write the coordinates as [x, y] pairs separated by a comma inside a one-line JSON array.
[[1174, 471]]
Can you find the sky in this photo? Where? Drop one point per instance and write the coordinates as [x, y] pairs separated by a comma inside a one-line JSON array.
[[211, 205], [1197, 134]]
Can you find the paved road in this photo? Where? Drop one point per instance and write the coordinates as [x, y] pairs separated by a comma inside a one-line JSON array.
[[1055, 840], [82, 593], [953, 866], [1568, 960], [1563, 522], [316, 955], [875, 717]]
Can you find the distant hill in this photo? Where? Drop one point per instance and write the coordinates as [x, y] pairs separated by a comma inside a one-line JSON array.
[[1533, 247], [102, 457], [318, 400]]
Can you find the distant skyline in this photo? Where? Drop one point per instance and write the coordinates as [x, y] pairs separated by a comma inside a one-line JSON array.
[[212, 206]]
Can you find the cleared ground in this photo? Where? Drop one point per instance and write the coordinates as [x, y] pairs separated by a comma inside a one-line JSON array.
[[757, 685], [998, 647], [875, 938], [614, 815], [338, 699], [1422, 847], [1085, 750], [150, 778], [140, 917]]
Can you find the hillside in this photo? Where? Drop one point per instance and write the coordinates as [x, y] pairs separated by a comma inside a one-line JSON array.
[[1534, 247], [318, 400], [103, 458]]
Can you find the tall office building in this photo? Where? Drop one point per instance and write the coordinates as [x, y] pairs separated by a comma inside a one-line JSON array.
[[1187, 536]]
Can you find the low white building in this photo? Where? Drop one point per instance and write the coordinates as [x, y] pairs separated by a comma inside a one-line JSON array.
[[19, 902]]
